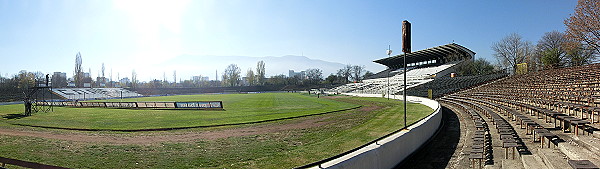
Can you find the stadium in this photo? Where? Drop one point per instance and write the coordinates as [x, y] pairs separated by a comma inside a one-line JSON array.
[[547, 118], [438, 106]]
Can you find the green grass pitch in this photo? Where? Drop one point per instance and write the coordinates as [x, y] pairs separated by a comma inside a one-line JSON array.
[[338, 132], [239, 108]]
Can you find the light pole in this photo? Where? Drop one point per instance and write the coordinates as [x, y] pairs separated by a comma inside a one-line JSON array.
[[389, 53], [405, 49], [404, 91]]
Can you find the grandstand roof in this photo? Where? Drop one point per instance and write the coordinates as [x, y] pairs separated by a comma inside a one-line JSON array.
[[442, 54]]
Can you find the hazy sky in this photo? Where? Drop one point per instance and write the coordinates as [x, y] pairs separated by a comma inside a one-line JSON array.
[[126, 35]]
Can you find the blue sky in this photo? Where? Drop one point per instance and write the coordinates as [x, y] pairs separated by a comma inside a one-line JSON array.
[[126, 35]]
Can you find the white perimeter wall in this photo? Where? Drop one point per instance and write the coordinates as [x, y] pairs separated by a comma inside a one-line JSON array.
[[390, 151]]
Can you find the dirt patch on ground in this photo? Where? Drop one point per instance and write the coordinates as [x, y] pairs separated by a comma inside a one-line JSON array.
[[158, 137], [370, 108], [335, 97]]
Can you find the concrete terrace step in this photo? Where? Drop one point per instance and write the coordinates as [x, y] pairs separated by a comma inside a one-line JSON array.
[[574, 151], [590, 143], [512, 164], [553, 158], [532, 161]]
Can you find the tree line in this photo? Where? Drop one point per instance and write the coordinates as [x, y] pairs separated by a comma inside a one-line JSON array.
[[22, 80], [578, 45], [232, 76]]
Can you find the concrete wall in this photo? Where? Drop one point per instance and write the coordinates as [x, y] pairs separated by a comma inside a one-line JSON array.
[[390, 151]]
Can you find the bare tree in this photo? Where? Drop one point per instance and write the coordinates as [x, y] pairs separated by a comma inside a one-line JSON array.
[[102, 78], [550, 50], [260, 72], [584, 24], [552, 40], [25, 79], [231, 76], [250, 77], [102, 69], [512, 50], [345, 73], [357, 72], [577, 54], [78, 73], [174, 77], [39, 77], [224, 79], [314, 75], [111, 78], [133, 79], [88, 79]]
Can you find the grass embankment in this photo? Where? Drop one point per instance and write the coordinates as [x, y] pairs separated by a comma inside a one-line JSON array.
[[340, 132], [239, 108]]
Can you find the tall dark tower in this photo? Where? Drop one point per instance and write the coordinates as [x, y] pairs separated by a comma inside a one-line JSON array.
[[405, 36], [406, 50]]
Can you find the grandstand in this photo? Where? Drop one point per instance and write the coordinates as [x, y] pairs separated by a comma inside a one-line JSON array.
[[546, 119], [422, 67], [415, 77], [94, 93], [446, 85], [550, 118]]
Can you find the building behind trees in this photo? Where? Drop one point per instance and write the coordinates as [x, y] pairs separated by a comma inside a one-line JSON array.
[[59, 79]]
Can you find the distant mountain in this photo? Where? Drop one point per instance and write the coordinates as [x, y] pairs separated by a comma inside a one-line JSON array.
[[206, 65], [299, 63]]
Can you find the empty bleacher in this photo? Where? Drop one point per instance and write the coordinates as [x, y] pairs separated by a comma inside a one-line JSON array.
[[446, 85], [554, 113], [94, 93], [384, 73], [414, 77], [480, 149]]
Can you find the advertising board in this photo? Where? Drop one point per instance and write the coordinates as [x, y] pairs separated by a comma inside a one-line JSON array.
[[199, 105], [167, 105]]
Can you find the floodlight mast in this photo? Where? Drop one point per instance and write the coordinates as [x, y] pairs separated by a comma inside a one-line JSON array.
[[405, 49], [389, 53], [404, 90]]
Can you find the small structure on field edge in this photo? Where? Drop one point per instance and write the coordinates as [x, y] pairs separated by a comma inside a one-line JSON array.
[[36, 95]]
